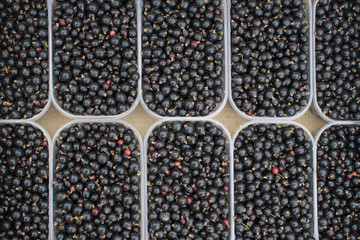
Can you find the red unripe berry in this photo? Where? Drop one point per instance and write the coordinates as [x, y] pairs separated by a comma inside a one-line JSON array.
[[194, 44], [275, 170], [112, 33], [95, 211], [127, 152], [120, 142], [62, 22], [45, 143], [106, 86]]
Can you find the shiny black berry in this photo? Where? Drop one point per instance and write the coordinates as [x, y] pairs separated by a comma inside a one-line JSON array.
[[24, 181], [273, 195], [188, 181], [24, 80], [337, 47], [95, 56], [270, 57], [183, 57], [97, 182]]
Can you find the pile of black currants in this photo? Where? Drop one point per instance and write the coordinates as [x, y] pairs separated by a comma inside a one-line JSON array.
[[183, 57], [97, 182], [95, 56], [273, 183], [338, 173], [337, 48], [24, 80], [24, 182], [270, 57], [188, 182]]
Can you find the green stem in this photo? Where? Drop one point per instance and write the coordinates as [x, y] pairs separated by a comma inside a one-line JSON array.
[[245, 225]]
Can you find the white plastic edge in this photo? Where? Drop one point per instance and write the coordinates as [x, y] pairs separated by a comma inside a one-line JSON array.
[[314, 175], [310, 71], [220, 105], [53, 154], [51, 79], [226, 133]]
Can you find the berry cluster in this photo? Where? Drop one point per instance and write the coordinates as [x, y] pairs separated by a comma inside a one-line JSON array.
[[337, 58], [183, 57], [270, 57], [97, 183], [95, 56], [273, 183], [338, 172], [24, 171], [24, 83], [188, 182]]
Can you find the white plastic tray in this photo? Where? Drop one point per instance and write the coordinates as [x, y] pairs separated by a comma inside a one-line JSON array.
[[310, 70], [310, 137], [50, 160], [52, 164], [52, 79], [220, 106], [317, 138], [144, 170], [47, 106], [316, 105]]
